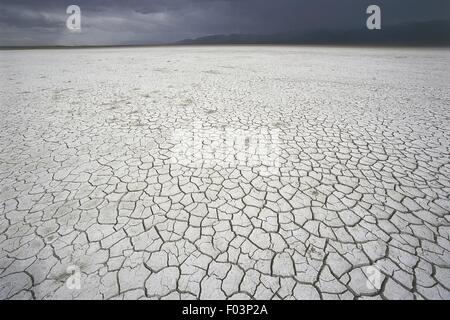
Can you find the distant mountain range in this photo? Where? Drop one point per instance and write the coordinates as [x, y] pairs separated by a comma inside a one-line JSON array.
[[431, 33]]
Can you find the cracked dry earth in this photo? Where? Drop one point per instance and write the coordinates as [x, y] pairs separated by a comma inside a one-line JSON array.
[[225, 172]]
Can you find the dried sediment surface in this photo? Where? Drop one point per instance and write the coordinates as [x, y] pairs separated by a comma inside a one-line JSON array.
[[225, 172]]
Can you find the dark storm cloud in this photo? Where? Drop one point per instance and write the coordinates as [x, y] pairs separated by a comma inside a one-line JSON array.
[[10, 16], [138, 21]]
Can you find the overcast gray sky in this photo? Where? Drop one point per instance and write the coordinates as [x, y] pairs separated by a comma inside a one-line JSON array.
[[42, 22]]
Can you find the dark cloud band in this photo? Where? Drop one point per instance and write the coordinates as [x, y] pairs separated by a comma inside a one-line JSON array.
[[31, 22]]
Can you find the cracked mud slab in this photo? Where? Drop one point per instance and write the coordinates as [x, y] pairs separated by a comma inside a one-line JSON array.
[[225, 172]]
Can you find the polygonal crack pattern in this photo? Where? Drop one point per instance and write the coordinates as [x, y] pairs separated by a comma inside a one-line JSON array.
[[124, 165]]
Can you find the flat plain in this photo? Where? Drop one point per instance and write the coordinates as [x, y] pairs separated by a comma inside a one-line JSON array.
[[234, 172]]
